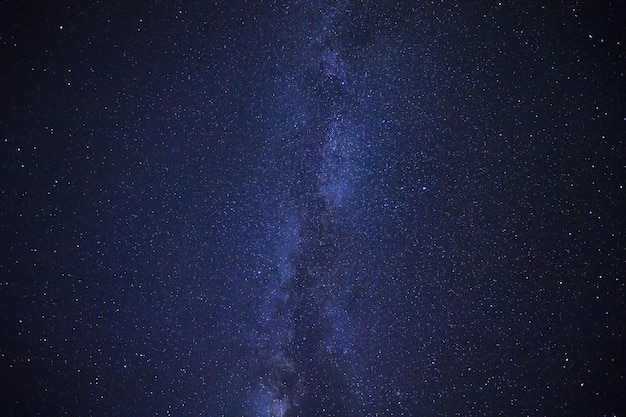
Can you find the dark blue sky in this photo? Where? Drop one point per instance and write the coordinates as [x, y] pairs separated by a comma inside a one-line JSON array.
[[326, 208]]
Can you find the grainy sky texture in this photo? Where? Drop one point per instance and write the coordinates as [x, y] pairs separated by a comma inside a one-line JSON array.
[[312, 208]]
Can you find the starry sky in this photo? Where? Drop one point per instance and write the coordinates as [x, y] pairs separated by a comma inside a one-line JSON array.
[[312, 208]]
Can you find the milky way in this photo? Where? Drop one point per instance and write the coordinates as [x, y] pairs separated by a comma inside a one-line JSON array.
[[306, 331], [312, 208]]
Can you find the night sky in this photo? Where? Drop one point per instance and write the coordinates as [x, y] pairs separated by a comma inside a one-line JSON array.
[[312, 208]]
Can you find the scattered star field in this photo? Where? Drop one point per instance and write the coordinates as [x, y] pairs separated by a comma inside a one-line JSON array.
[[312, 208]]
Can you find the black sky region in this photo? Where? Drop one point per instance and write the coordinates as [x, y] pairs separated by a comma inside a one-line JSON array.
[[312, 208]]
